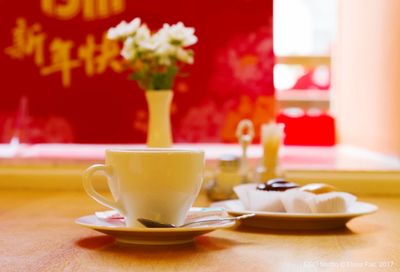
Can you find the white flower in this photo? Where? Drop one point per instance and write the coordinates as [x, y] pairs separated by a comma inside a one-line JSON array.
[[178, 34], [164, 52], [161, 36], [144, 40], [128, 51], [112, 33], [115, 33], [147, 45], [184, 56], [123, 29], [165, 49], [142, 33], [132, 26]]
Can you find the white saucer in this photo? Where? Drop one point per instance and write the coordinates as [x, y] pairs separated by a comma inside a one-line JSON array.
[[149, 236], [296, 221]]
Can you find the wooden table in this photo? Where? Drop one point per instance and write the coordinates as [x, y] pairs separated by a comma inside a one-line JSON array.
[[37, 233]]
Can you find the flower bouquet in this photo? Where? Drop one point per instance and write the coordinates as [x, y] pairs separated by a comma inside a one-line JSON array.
[[155, 58]]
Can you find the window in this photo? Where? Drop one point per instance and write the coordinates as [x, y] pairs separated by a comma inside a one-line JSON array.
[[303, 35]]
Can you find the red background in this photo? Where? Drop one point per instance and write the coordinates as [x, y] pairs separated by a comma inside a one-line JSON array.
[[230, 80]]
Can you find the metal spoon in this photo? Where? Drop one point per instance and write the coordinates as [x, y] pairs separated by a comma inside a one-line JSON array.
[[154, 224]]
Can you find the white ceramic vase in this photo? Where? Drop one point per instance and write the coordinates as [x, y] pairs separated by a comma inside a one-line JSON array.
[[159, 127]]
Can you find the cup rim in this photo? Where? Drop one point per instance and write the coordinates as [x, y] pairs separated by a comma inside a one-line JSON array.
[[155, 150]]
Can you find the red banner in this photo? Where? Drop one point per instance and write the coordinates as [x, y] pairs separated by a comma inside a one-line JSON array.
[[63, 81]]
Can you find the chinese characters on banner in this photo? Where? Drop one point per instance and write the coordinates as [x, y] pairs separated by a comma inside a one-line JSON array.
[[94, 58], [72, 81]]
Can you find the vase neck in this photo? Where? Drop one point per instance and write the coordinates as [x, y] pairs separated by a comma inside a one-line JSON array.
[[159, 96], [159, 91]]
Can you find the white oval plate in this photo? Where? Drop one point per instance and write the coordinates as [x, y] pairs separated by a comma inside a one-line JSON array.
[[296, 221], [149, 236]]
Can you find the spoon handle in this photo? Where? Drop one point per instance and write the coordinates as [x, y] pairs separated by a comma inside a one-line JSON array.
[[220, 219]]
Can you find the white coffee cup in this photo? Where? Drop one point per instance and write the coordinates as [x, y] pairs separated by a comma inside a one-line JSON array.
[[156, 184]]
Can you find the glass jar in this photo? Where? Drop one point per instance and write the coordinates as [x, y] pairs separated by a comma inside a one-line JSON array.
[[225, 178]]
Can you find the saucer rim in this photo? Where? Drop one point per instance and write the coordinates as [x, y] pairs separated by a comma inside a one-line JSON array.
[[373, 209], [194, 228]]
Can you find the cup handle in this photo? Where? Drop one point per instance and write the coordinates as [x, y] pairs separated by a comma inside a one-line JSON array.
[[88, 186]]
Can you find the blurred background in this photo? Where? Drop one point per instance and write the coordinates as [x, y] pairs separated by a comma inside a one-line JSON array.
[[303, 63], [64, 82]]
